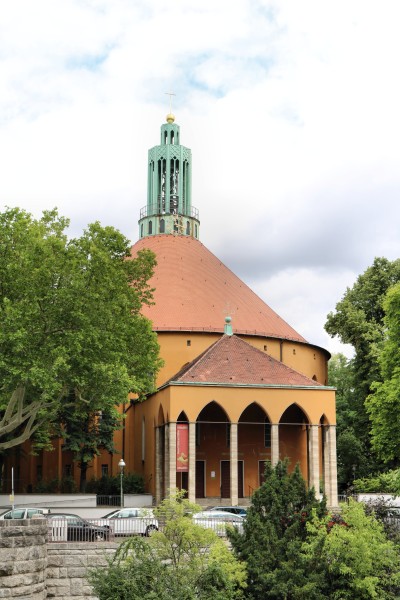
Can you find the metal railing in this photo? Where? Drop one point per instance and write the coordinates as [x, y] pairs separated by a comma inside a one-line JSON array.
[[111, 530], [108, 500]]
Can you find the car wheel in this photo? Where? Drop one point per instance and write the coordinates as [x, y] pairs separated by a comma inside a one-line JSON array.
[[150, 529]]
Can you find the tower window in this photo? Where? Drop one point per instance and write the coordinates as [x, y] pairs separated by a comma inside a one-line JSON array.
[[162, 226], [141, 230], [187, 228], [150, 227], [195, 231]]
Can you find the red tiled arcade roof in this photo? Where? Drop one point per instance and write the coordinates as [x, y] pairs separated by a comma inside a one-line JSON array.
[[194, 291], [231, 360]]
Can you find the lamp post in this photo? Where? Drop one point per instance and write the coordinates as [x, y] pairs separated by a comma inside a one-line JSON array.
[[121, 465]]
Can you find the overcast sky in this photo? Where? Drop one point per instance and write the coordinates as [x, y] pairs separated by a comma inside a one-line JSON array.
[[291, 109]]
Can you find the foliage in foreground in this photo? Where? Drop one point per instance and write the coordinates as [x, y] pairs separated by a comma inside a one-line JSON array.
[[184, 562], [295, 549], [349, 560], [274, 531]]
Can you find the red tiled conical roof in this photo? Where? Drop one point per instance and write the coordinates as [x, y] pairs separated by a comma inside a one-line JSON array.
[[231, 360], [194, 291]]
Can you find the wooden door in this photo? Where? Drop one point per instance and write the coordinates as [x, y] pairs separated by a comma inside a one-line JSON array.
[[225, 478], [240, 478], [200, 472]]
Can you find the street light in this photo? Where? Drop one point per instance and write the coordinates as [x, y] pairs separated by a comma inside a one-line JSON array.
[[121, 465]]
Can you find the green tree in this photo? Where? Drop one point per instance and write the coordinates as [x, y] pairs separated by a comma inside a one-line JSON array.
[[383, 404], [348, 557], [273, 532], [183, 562], [359, 320], [351, 456], [71, 332]]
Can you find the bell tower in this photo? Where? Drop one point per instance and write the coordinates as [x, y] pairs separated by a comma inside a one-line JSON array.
[[169, 207]]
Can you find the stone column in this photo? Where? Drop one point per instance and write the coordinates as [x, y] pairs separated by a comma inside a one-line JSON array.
[[158, 466], [274, 444], [172, 456], [331, 466], [192, 463], [234, 464], [166, 459], [313, 450]]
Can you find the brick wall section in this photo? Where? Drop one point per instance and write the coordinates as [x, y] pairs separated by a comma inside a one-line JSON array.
[[67, 566], [23, 559]]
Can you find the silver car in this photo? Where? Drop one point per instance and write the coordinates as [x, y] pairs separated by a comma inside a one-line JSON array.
[[218, 520], [131, 521], [24, 512]]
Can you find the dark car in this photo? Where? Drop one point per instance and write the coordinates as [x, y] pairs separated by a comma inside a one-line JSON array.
[[72, 528]]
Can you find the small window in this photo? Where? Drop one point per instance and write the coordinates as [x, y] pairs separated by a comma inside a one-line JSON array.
[[162, 226], [104, 470], [267, 434], [265, 347], [187, 228], [150, 227], [141, 230], [294, 351], [195, 231], [188, 342]]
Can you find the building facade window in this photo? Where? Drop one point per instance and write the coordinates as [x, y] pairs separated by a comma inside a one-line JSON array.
[[104, 470]]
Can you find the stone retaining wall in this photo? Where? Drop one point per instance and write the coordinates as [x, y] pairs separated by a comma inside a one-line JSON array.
[[67, 567], [23, 559]]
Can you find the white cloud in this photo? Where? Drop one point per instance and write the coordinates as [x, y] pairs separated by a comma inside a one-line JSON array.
[[290, 108]]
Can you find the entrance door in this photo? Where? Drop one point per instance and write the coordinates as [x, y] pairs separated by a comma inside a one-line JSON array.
[[225, 478], [200, 472], [240, 478]]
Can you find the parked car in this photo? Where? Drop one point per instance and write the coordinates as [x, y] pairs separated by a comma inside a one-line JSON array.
[[72, 528], [236, 510], [131, 521], [218, 520], [24, 512]]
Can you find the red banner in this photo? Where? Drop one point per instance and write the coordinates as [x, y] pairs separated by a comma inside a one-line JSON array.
[[182, 447]]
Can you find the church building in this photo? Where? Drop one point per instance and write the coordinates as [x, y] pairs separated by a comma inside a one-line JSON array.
[[239, 385], [236, 389]]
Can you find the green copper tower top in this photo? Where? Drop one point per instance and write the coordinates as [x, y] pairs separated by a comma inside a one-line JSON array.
[[169, 207]]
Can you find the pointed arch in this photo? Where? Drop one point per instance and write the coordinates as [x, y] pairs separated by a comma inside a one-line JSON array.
[[161, 419], [182, 417], [213, 412], [254, 413], [294, 415]]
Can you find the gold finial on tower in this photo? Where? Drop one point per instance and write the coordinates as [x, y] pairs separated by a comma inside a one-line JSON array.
[[170, 117]]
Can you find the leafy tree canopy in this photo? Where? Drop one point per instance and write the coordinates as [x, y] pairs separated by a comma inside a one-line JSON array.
[[349, 557], [383, 404], [183, 562], [273, 532], [71, 334], [359, 320]]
